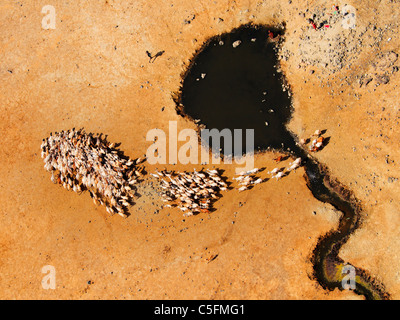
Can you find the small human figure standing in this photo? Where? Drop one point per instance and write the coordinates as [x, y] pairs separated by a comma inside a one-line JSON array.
[[311, 21]]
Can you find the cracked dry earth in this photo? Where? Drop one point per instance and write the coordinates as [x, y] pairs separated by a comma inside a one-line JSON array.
[[92, 71]]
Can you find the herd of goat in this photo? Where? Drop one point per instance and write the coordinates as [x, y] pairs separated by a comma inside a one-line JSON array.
[[81, 161]]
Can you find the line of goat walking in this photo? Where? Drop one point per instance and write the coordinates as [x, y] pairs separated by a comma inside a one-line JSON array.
[[195, 192], [248, 179], [82, 161]]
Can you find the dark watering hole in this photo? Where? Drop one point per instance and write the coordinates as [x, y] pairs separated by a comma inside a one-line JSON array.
[[233, 81]]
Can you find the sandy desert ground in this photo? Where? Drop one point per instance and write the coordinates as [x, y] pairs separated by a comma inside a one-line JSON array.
[[92, 71]]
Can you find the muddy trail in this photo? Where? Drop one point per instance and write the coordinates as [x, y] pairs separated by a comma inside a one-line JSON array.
[[329, 269]]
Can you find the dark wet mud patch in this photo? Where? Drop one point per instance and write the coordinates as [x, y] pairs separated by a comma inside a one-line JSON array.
[[233, 82]]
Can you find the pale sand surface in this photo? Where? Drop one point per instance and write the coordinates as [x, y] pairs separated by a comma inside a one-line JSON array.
[[92, 71]]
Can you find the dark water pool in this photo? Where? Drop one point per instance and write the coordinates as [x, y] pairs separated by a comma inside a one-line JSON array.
[[240, 87]]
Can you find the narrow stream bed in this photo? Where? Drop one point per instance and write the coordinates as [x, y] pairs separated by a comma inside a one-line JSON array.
[[234, 82]]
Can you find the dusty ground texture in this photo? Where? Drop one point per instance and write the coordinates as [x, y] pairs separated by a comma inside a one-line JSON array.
[[92, 71]]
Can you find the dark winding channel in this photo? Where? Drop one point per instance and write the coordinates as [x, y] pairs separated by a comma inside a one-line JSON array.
[[240, 86]]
